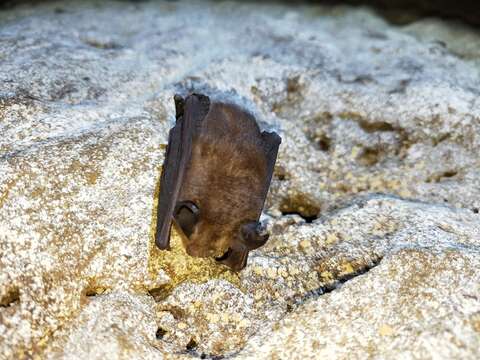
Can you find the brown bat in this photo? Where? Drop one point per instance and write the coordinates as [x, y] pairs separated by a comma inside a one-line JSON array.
[[216, 174]]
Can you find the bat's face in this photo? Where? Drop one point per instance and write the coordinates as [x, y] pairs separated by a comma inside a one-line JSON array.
[[208, 240], [202, 237], [229, 243]]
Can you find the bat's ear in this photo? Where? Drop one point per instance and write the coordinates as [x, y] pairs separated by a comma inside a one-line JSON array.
[[186, 214], [253, 235], [179, 105]]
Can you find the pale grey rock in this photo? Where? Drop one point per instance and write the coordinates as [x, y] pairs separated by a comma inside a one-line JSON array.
[[362, 106], [124, 324], [214, 318], [414, 305]]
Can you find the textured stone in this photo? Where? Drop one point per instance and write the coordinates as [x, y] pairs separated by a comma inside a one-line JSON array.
[[363, 107], [214, 318], [415, 304], [123, 323]]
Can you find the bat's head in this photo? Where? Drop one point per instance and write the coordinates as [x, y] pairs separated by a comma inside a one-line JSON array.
[[228, 243]]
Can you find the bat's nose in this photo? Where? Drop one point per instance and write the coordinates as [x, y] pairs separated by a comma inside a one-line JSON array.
[[197, 251]]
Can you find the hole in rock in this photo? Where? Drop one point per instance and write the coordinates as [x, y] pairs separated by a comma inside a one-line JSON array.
[[159, 293], [324, 143], [308, 219], [475, 210], [10, 298], [441, 139], [192, 345], [301, 205], [93, 290], [449, 174], [294, 85], [90, 293], [369, 157], [104, 45], [160, 333], [281, 173], [371, 127], [440, 177]]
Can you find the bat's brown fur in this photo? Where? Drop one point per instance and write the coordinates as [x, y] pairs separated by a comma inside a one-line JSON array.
[[225, 178], [216, 173]]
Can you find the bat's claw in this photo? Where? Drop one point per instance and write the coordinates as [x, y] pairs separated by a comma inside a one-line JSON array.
[[179, 105], [254, 235], [261, 230]]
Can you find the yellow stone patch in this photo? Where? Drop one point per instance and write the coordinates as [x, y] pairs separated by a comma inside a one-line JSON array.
[[258, 270], [244, 323], [332, 238], [177, 264], [385, 330], [346, 268], [305, 244], [272, 273], [355, 152], [326, 276]]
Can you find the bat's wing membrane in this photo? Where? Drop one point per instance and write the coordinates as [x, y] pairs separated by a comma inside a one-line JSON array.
[[190, 113]]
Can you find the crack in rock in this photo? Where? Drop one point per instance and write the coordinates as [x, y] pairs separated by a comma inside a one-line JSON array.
[[338, 282]]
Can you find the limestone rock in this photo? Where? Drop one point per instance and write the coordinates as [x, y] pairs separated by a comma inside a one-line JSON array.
[[124, 324], [415, 304], [405, 284], [363, 107], [214, 318]]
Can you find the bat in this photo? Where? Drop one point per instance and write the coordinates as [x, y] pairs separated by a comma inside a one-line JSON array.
[[216, 174]]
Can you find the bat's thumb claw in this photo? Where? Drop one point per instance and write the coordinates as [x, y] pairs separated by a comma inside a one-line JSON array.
[[254, 235], [179, 105], [261, 230]]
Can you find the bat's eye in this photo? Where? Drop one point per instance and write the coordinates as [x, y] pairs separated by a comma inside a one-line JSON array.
[[186, 215]]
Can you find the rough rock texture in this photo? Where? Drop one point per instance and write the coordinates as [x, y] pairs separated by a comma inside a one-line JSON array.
[[363, 107], [419, 299]]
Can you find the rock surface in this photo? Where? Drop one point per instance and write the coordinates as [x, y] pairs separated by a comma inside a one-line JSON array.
[[363, 107]]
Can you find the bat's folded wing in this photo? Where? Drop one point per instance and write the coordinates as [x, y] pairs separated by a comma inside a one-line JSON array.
[[237, 257], [271, 143], [177, 157]]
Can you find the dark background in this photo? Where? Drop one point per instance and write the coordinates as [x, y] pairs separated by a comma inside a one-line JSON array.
[[464, 10], [398, 11]]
